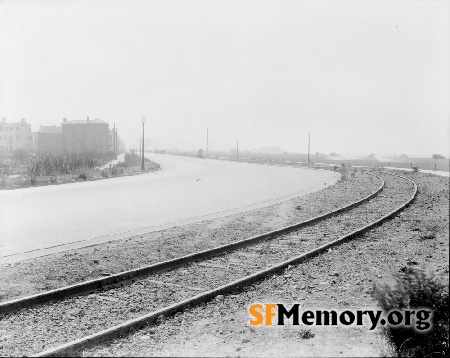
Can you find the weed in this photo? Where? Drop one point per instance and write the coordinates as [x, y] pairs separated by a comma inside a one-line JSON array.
[[428, 230], [306, 334], [414, 289]]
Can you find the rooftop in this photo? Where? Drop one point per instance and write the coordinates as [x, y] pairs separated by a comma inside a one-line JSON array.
[[22, 122], [79, 121], [50, 129]]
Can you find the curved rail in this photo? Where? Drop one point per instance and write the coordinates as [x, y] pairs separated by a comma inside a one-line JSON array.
[[139, 322], [100, 283]]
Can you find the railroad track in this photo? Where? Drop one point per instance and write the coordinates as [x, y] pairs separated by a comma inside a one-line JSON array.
[[169, 287]]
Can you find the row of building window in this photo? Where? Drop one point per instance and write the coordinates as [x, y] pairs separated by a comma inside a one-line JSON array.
[[96, 128], [11, 138], [8, 128], [97, 140]]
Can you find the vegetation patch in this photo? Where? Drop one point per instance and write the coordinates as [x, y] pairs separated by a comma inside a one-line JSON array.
[[415, 289], [24, 170]]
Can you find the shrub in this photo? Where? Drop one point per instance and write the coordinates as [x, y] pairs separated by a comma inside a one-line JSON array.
[[114, 170], [132, 158], [306, 334], [413, 289]]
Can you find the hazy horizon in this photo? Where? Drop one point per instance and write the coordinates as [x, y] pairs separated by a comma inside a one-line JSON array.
[[362, 76]]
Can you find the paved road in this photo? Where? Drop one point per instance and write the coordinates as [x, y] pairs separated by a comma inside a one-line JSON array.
[[43, 220]]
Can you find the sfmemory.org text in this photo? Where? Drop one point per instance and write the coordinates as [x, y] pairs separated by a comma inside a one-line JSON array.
[[269, 314]]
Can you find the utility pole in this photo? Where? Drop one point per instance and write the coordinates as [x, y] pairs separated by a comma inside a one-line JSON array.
[[207, 140], [143, 120], [114, 140], [309, 141]]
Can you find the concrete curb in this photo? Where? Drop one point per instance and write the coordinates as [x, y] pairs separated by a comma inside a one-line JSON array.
[[99, 283], [139, 322]]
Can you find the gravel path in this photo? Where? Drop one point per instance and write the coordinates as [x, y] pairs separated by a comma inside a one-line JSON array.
[[42, 327]]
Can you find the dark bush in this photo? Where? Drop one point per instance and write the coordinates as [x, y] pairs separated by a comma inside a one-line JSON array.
[[132, 158], [114, 170], [415, 289]]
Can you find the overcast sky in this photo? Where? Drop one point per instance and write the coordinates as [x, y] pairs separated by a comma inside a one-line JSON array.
[[361, 76]]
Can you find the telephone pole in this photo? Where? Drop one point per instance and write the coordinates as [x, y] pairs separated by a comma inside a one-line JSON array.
[[309, 141], [115, 142], [114, 139]]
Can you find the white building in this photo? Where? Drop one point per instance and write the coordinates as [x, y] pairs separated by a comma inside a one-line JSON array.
[[15, 135]]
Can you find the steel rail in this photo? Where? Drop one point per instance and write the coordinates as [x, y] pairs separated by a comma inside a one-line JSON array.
[[115, 279], [139, 322]]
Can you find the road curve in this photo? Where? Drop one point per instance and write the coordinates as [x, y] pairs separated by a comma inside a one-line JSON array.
[[44, 220]]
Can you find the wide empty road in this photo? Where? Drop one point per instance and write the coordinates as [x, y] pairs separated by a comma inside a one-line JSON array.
[[43, 220]]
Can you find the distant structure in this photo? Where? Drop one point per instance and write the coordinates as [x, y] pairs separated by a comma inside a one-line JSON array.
[[49, 140], [71, 137], [15, 135], [269, 150], [81, 136]]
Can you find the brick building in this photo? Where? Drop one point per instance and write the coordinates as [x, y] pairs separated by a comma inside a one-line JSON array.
[[15, 135], [49, 140], [81, 136]]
